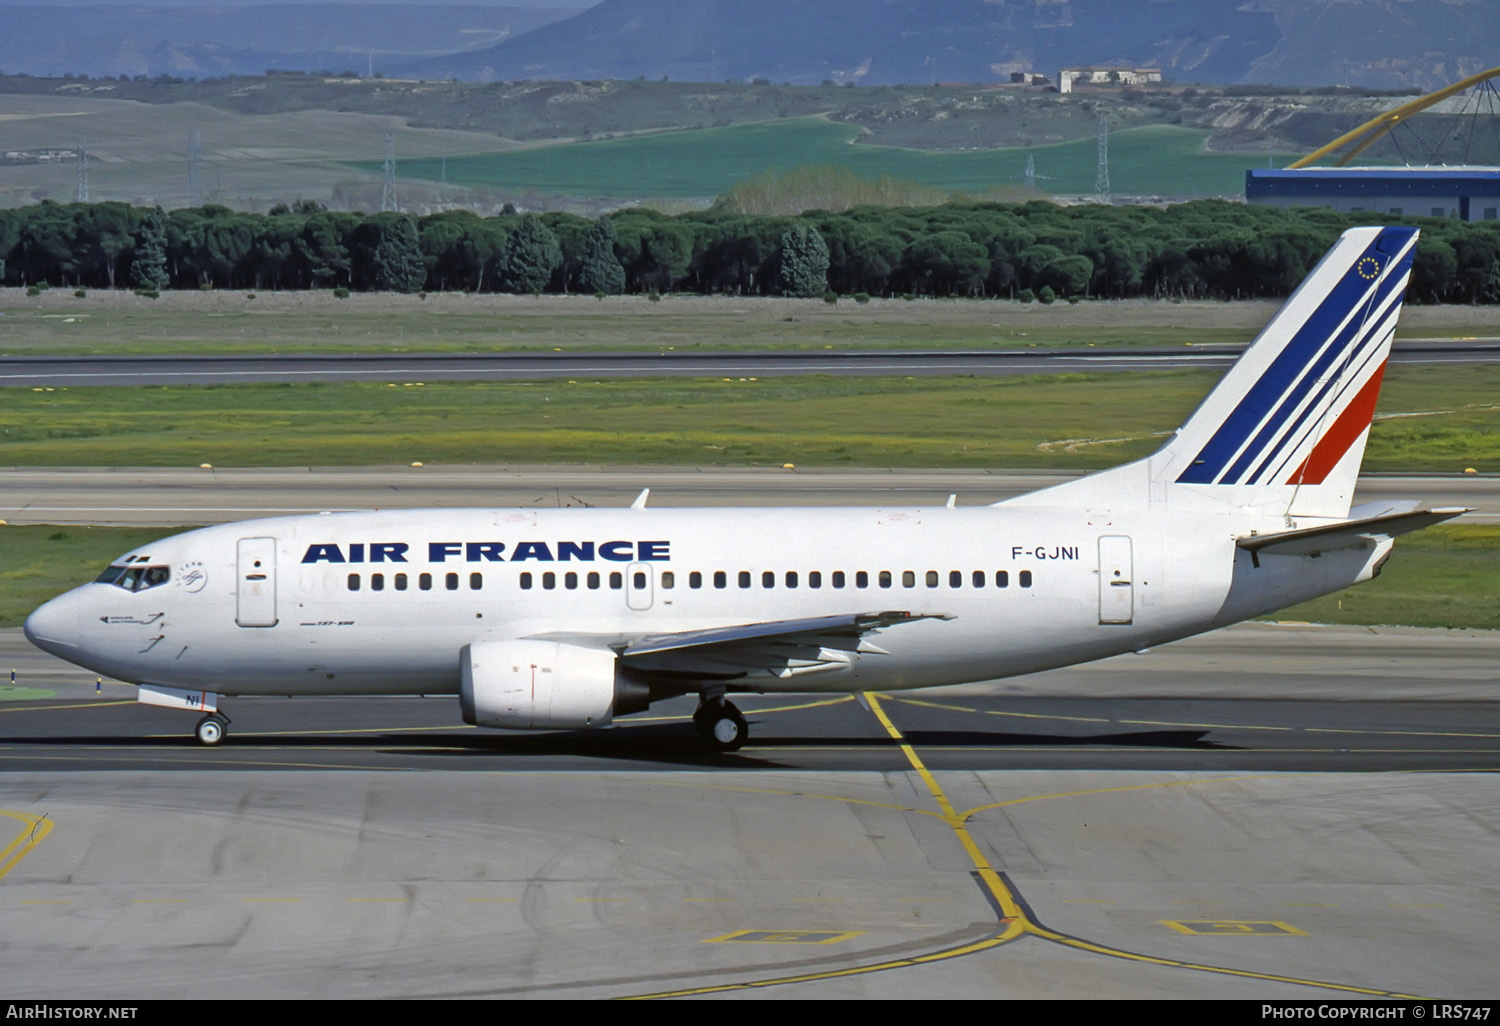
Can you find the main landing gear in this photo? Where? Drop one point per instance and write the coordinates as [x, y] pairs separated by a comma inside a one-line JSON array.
[[720, 724], [212, 728]]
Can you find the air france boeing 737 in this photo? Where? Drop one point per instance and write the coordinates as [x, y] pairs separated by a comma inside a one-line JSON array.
[[568, 618]]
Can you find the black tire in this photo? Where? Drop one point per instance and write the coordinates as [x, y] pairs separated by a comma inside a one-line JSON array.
[[703, 721], [728, 730], [721, 726], [210, 730]]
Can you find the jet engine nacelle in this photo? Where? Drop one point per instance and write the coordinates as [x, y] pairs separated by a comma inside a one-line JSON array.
[[531, 684]]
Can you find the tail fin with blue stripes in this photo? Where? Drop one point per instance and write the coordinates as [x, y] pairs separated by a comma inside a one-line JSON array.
[[1287, 425], [1283, 433]]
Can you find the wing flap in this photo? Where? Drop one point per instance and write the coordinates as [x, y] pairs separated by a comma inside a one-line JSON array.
[[776, 648]]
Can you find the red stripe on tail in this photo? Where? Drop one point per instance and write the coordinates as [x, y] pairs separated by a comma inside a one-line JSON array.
[[1332, 446]]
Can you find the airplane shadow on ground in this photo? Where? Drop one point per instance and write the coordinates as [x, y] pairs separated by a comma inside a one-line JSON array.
[[666, 743]]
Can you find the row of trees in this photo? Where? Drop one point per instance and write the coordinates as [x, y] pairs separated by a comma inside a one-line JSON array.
[[1205, 249]]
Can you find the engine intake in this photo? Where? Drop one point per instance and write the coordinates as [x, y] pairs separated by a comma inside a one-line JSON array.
[[540, 685]]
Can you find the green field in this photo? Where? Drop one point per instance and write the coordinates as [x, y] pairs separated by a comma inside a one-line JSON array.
[[37, 563], [57, 323], [1441, 577], [116, 323], [288, 137], [1158, 159], [1074, 421]]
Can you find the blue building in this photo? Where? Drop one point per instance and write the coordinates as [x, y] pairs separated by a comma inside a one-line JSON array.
[[1467, 193]]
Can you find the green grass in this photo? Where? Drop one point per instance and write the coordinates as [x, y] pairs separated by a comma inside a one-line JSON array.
[[111, 324], [117, 323], [1155, 159], [1441, 577], [38, 563], [1070, 421]]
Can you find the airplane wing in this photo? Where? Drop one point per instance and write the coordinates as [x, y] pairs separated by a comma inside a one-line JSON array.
[[1373, 521], [777, 648]]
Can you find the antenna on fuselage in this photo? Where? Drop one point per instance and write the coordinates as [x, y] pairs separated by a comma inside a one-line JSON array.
[[640, 500]]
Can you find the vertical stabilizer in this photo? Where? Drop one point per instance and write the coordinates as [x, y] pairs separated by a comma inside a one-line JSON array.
[[1283, 432]]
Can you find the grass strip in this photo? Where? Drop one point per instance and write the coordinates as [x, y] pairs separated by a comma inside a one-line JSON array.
[[1433, 419], [105, 323], [40, 562], [1441, 577], [225, 323]]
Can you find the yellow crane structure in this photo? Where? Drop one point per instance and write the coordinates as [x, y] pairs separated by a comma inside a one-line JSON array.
[[1369, 133]]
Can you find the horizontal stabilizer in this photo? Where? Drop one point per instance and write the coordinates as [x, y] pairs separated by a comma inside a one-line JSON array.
[[1346, 534]]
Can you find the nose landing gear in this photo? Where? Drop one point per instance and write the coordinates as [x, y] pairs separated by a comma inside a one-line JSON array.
[[720, 724], [211, 729]]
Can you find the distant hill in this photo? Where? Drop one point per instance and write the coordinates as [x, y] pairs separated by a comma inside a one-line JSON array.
[[1371, 43], [871, 41], [201, 42], [1379, 44], [1382, 44]]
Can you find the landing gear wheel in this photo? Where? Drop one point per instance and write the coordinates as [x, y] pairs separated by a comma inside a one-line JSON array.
[[721, 725], [210, 730]]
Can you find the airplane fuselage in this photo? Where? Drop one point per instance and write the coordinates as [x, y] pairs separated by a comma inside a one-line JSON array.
[[384, 602]]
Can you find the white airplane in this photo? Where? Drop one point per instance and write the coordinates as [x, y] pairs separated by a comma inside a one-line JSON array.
[[568, 618]]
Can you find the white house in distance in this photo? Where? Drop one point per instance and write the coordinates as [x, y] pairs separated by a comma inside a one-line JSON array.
[[1106, 76]]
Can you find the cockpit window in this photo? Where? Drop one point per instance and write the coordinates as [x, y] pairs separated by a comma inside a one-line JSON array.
[[135, 578]]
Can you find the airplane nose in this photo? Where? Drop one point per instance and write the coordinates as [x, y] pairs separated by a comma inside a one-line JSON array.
[[53, 627]]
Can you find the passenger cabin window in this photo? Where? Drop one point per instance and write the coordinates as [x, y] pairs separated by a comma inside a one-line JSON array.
[[1025, 578], [135, 578]]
